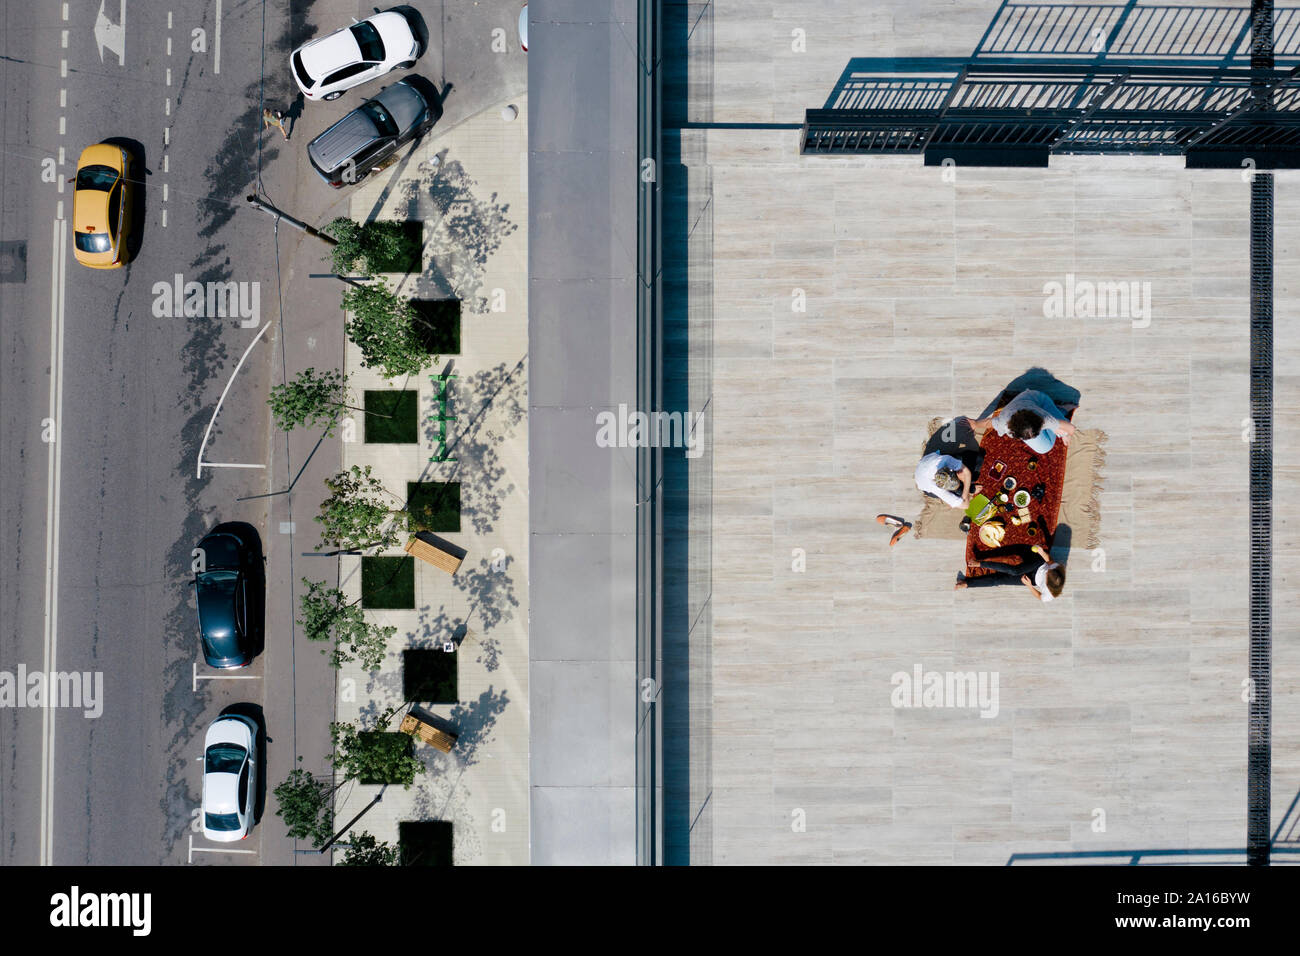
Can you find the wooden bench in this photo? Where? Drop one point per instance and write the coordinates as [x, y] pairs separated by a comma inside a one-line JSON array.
[[431, 735], [428, 551]]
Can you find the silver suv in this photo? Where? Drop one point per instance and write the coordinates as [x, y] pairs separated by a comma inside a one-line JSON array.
[[364, 140]]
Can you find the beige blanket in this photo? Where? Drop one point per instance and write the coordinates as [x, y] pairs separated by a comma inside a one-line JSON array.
[[1080, 497]]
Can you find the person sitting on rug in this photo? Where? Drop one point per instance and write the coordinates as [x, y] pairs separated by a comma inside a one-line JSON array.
[[1033, 565], [1033, 418], [945, 478]]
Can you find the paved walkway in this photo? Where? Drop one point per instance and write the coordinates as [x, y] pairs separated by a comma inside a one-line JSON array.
[[1121, 723], [468, 185]]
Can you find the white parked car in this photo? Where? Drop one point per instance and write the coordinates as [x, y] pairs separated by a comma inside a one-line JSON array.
[[229, 778], [327, 67]]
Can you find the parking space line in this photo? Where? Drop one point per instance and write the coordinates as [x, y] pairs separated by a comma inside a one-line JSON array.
[[203, 849], [217, 410], [198, 677]]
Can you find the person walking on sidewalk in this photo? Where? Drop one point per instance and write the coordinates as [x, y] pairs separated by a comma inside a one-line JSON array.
[[271, 118]]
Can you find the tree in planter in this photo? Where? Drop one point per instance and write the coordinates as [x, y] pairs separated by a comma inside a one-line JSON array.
[[305, 807], [383, 327], [309, 399], [356, 516], [362, 246], [328, 615], [365, 850], [373, 755]]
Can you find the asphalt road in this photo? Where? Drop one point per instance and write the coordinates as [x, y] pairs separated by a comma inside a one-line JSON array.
[[136, 390], [97, 527]]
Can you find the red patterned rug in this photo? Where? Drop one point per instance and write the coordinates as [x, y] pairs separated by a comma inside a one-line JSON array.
[[1047, 470]]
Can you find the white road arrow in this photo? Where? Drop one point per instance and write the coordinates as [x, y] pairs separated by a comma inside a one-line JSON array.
[[110, 34]]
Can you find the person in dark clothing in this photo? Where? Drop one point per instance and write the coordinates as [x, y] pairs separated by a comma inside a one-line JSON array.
[[1031, 565]]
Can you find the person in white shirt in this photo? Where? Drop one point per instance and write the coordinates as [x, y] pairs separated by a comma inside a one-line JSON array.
[[946, 478], [1033, 418]]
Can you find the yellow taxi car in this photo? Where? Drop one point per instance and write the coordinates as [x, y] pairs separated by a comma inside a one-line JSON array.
[[101, 206]]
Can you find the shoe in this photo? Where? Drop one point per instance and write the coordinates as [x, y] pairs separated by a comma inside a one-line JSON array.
[[899, 534]]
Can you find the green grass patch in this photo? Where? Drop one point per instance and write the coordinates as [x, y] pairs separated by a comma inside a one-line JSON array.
[[425, 843], [437, 323], [401, 427], [388, 582], [433, 506], [410, 240], [391, 744], [429, 676]]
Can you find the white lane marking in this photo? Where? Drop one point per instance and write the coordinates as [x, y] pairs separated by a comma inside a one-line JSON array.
[[164, 192], [63, 40], [203, 849], [63, 68], [169, 76], [60, 215], [167, 135], [217, 410], [58, 278], [164, 218], [109, 35], [63, 125], [63, 94], [216, 47], [65, 11], [194, 685], [166, 162], [167, 106], [63, 98], [169, 19], [61, 155], [169, 44]]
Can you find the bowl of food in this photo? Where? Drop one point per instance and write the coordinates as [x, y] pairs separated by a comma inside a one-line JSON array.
[[1021, 498], [1009, 482]]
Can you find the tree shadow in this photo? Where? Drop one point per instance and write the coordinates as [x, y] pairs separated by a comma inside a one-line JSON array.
[[464, 228], [489, 406], [474, 722]]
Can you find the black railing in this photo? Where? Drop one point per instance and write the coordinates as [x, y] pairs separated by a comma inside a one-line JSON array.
[[1067, 108]]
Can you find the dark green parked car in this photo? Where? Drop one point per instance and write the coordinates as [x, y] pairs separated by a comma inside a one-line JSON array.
[[228, 594]]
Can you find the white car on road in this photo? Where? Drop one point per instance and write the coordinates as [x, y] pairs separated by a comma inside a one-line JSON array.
[[327, 67], [229, 778]]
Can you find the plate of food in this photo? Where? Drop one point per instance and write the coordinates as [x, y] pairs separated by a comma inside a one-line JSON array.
[[992, 533], [1021, 498]]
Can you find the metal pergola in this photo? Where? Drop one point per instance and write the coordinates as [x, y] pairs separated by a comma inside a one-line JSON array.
[[1200, 82]]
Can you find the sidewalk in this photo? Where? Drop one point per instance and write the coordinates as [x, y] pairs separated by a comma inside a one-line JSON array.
[[468, 187], [298, 703]]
